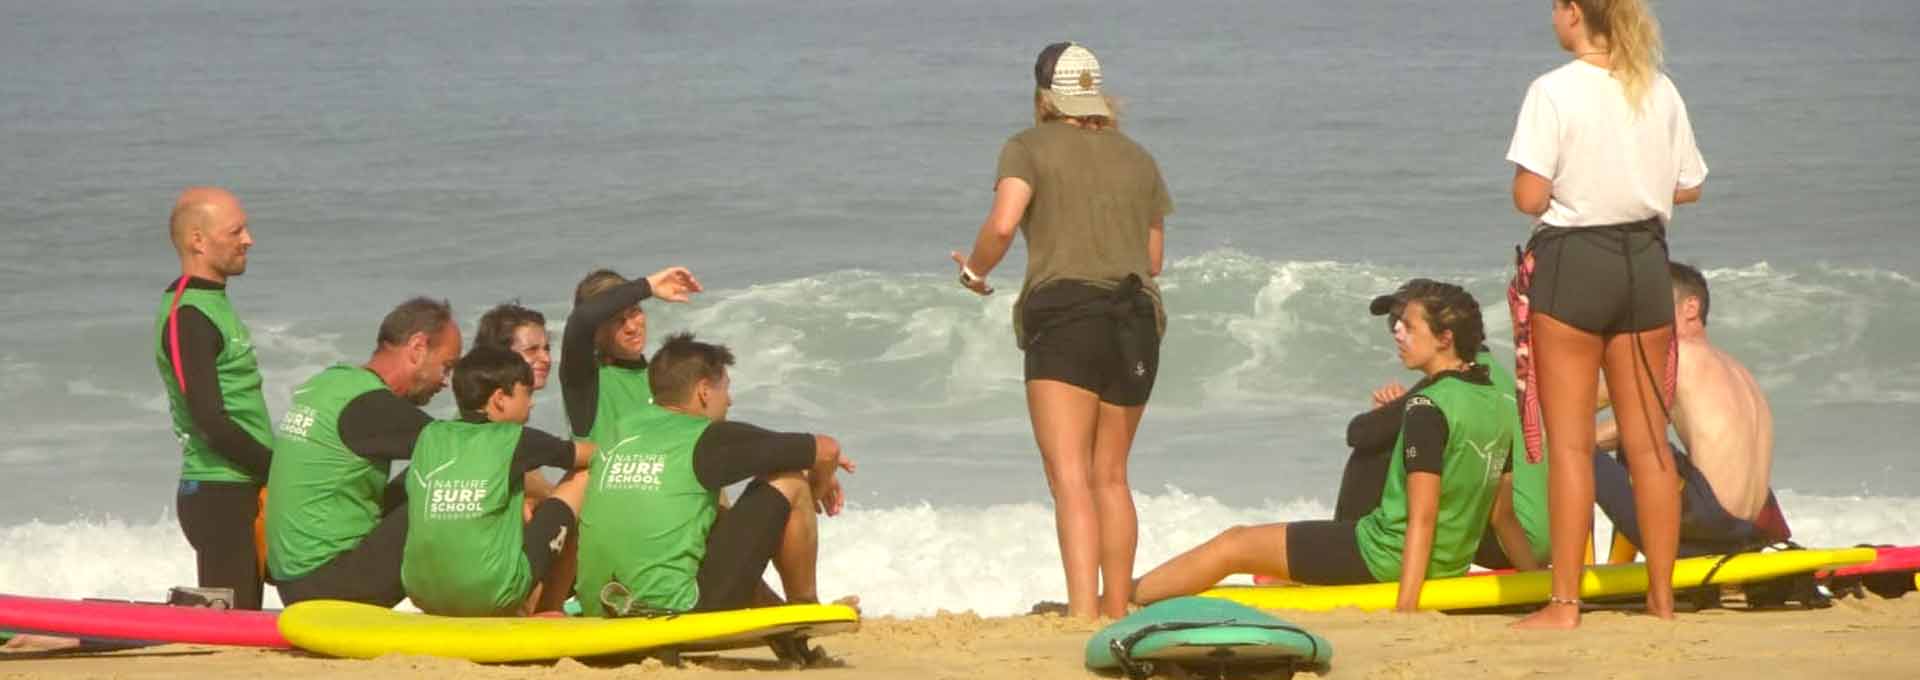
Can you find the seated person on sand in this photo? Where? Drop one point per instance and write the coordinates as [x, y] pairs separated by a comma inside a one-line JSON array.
[[468, 552], [1454, 441], [522, 331], [654, 536], [1725, 455], [335, 530], [1521, 499]]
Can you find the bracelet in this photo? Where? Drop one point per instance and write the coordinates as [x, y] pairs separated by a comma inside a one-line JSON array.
[[1555, 599]]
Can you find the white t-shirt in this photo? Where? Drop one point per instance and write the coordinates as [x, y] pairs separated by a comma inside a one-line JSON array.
[[1609, 164]]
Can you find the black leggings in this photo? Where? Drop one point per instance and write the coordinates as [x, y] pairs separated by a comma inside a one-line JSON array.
[[739, 547], [217, 518]]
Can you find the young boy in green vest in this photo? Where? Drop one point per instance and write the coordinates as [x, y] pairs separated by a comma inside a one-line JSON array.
[[654, 536], [467, 553], [1454, 445]]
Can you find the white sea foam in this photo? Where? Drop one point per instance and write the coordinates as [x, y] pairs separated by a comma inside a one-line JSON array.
[[905, 560]]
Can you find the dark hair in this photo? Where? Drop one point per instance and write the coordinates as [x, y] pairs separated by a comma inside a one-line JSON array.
[[498, 324], [1449, 308], [483, 370], [596, 282], [683, 362], [1689, 282], [418, 315]]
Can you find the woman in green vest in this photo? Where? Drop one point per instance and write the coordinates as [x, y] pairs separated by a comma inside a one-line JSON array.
[[603, 359], [1454, 444]]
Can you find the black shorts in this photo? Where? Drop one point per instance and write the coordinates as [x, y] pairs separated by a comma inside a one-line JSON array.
[[1325, 553], [739, 547], [1114, 356], [368, 574], [546, 535], [1603, 280], [217, 518], [1490, 554]]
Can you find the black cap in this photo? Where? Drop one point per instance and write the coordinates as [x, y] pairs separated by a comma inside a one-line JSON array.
[[1387, 303]]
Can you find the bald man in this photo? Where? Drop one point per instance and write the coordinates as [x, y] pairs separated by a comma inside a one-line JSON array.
[[206, 361]]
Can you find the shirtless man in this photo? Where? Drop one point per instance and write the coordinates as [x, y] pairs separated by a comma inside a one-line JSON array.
[[1727, 429]]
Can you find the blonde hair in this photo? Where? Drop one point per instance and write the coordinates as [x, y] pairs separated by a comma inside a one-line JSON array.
[[1632, 37], [596, 282], [1044, 111]]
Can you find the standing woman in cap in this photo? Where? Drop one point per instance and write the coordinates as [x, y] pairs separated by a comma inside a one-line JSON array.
[[1091, 203], [1603, 151]]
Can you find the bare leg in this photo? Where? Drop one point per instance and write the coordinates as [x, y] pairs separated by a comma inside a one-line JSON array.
[[1567, 361], [1643, 438], [1063, 420], [799, 553], [1113, 504], [550, 594], [1240, 550]]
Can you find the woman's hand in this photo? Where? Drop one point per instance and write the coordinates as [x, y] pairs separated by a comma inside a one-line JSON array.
[[977, 285], [1387, 393], [673, 284]]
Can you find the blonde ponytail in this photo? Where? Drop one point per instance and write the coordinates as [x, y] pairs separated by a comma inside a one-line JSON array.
[[1632, 37]]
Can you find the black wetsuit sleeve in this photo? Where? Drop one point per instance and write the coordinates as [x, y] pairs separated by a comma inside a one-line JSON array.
[[579, 368], [538, 449], [729, 452], [200, 345], [395, 497], [1378, 428], [1426, 436], [381, 427]]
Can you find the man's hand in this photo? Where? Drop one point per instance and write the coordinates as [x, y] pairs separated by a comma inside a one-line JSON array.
[[828, 459], [1387, 393], [673, 284]]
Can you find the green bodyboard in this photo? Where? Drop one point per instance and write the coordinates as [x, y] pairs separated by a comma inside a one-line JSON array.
[[1205, 633]]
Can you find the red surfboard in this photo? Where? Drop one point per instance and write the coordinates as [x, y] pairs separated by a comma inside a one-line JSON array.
[[134, 622], [1895, 558]]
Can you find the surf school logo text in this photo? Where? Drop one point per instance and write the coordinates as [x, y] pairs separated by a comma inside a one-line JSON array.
[[456, 498], [298, 420], [638, 472]]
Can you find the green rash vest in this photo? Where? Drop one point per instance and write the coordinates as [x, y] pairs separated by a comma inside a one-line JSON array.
[[1478, 443], [321, 497], [238, 372], [465, 554], [646, 516], [622, 390], [1529, 479]]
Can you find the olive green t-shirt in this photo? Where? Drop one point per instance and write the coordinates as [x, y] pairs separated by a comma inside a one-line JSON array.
[[1096, 195]]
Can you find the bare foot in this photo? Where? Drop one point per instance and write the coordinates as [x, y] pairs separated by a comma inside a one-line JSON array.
[[1660, 607], [1554, 616], [39, 643], [850, 601]]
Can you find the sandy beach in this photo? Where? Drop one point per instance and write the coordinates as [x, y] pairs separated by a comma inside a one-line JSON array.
[[1872, 638]]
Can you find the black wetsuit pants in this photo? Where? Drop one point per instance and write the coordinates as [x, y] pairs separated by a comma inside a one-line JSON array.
[[217, 518]]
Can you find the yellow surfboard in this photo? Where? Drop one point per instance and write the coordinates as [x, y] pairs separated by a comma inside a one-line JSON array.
[[359, 631], [1472, 592]]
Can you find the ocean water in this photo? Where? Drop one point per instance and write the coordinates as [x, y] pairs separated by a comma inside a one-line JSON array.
[[814, 163]]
